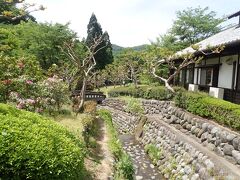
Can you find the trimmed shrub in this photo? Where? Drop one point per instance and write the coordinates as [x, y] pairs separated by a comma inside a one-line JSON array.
[[222, 111], [124, 166], [34, 147], [158, 92]]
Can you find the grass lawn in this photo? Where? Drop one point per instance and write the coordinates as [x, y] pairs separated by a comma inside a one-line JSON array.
[[73, 123]]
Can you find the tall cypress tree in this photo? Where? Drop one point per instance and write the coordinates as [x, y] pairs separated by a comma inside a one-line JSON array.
[[104, 56]]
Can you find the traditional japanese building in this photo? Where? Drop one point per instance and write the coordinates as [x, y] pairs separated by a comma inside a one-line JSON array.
[[217, 73]]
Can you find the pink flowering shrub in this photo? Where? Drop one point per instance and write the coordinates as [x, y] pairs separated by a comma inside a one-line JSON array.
[[55, 93], [47, 95]]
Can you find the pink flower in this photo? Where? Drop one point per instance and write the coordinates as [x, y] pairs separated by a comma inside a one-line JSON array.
[[20, 105], [30, 101], [29, 82]]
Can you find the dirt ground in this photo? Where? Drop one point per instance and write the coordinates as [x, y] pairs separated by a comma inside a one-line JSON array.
[[99, 163]]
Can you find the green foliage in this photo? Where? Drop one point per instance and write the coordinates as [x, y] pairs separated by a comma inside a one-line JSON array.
[[34, 147], [154, 153], [12, 14], [191, 26], [15, 74], [41, 41], [158, 92], [134, 106], [54, 91], [201, 104], [89, 129], [195, 24], [94, 31], [124, 167]]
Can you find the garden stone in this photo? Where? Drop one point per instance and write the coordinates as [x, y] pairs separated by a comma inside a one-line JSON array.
[[214, 131], [203, 173], [192, 129], [210, 127], [230, 137], [236, 143], [189, 126], [200, 133], [195, 177], [139, 177], [204, 136], [187, 170], [236, 156], [204, 126], [209, 164], [227, 149], [185, 177], [223, 137]]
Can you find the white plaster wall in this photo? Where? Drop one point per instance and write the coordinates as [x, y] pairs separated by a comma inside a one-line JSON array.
[[195, 76], [225, 72]]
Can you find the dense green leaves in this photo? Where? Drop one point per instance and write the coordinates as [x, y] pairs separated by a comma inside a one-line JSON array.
[[191, 26], [195, 24], [158, 92], [15, 11], [34, 147], [42, 41], [201, 104], [94, 31]]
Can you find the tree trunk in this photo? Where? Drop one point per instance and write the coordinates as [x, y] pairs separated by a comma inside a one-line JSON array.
[[82, 95], [169, 87], [135, 82]]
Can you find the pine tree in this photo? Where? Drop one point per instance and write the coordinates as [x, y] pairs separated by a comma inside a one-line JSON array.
[[94, 31]]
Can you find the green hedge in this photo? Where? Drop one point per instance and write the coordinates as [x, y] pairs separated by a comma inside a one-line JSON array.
[[124, 167], [146, 92], [34, 147], [203, 105]]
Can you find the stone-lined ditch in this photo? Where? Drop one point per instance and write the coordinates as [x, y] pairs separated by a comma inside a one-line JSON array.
[[126, 124], [191, 147]]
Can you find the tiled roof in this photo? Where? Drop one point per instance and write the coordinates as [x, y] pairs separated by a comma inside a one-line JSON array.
[[225, 37]]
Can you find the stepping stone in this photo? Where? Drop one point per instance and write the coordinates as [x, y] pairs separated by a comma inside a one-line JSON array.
[[152, 166]]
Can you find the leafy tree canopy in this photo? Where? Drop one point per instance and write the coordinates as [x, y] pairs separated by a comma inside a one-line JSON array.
[[191, 26], [12, 13], [41, 40]]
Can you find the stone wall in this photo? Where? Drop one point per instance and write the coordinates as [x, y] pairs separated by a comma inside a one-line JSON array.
[[179, 159], [217, 138], [191, 147]]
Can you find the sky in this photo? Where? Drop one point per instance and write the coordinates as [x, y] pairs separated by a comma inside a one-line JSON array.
[[128, 22]]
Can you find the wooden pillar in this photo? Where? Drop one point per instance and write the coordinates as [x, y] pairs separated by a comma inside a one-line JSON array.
[[237, 79]]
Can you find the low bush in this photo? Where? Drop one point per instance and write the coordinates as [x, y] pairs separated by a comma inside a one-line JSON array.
[[34, 147], [124, 166], [90, 107], [134, 106], [155, 92], [89, 128], [203, 105], [154, 153]]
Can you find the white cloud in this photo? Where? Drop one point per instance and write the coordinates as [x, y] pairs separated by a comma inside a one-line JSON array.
[[128, 22]]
